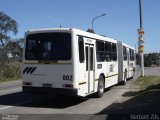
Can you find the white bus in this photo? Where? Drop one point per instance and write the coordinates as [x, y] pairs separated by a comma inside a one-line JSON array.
[[74, 62]]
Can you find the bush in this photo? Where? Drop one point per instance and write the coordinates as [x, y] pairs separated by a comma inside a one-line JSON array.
[[17, 68], [9, 72]]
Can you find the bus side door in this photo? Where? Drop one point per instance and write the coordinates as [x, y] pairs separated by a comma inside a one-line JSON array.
[[89, 54]]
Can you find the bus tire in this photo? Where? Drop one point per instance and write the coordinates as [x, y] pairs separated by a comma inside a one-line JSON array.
[[125, 78], [131, 77], [133, 73], [100, 90]]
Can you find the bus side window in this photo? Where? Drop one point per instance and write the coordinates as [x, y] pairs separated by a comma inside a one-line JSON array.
[[114, 52], [131, 52], [108, 49], [81, 49], [124, 53], [100, 51]]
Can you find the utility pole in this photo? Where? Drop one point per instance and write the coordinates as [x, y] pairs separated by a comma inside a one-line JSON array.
[[141, 39]]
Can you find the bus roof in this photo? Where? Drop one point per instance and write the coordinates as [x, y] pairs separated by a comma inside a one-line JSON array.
[[47, 30], [128, 46], [77, 31]]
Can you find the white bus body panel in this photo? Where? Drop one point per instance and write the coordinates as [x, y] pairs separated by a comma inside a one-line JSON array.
[[47, 74]]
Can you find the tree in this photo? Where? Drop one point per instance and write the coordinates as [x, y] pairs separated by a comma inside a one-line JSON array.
[[15, 49], [152, 59], [7, 25], [3, 57]]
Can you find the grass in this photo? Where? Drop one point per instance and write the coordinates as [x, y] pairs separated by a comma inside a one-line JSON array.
[[146, 83], [10, 79]]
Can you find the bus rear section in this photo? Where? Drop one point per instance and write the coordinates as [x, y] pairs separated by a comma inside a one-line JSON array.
[[47, 63], [126, 56]]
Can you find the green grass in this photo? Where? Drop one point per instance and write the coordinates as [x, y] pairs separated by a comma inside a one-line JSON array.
[[147, 82], [10, 79]]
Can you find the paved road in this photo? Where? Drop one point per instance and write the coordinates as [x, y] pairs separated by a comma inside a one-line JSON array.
[[149, 71], [10, 87], [13, 101]]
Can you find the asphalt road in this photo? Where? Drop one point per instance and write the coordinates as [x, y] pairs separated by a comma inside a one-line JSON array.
[[27, 106]]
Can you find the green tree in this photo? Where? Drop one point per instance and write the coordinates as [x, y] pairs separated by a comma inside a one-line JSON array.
[[15, 50], [10, 50], [151, 59], [7, 25]]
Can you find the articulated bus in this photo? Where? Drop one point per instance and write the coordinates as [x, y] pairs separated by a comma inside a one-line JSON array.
[[74, 62]]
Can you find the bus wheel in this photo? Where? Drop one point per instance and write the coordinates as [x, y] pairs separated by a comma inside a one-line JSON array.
[[133, 73], [125, 78], [100, 87]]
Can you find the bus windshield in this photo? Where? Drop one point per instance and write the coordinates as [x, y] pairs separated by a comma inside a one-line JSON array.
[[48, 46]]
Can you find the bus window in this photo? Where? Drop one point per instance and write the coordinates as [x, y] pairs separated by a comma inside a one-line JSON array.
[[108, 49], [124, 53], [48, 46], [114, 52], [47, 49], [91, 58], [131, 52], [81, 49], [86, 58], [100, 51]]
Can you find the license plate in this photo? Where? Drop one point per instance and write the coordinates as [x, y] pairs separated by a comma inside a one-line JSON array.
[[47, 85]]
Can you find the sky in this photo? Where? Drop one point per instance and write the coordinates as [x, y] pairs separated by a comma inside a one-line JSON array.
[[121, 21]]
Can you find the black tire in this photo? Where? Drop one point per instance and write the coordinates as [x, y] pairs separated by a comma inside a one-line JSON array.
[[133, 73], [125, 78], [132, 78], [100, 90]]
